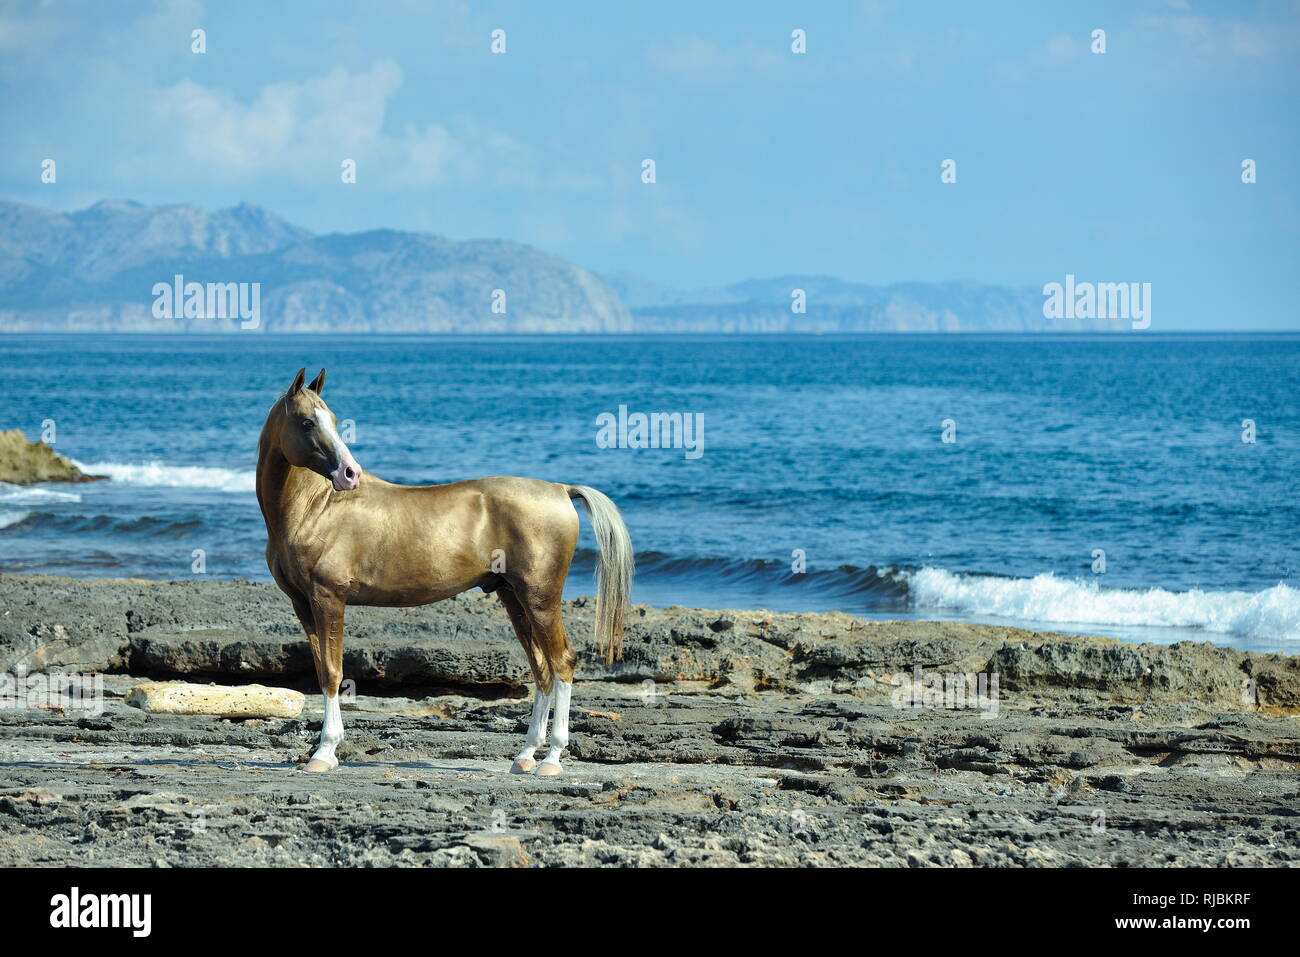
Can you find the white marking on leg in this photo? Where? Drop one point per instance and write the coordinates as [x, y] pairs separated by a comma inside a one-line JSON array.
[[560, 694], [537, 727], [331, 732]]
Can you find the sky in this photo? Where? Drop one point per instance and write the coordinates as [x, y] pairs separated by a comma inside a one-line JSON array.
[[1122, 166]]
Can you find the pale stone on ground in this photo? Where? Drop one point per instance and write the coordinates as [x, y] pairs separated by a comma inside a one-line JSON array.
[[246, 701]]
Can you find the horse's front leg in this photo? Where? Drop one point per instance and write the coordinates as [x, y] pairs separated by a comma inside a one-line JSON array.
[[327, 650]]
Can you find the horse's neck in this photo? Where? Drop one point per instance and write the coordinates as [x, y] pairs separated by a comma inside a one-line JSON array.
[[283, 492]]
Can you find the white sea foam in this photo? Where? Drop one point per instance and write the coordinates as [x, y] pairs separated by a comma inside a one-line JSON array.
[[12, 518], [31, 495], [159, 474], [1273, 613]]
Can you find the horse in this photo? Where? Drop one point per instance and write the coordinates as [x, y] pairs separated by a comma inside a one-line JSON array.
[[338, 536]]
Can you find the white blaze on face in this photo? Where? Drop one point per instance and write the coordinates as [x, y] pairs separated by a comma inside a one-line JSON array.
[[348, 474], [331, 434]]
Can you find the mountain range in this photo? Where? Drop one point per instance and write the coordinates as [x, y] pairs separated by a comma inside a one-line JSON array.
[[101, 269]]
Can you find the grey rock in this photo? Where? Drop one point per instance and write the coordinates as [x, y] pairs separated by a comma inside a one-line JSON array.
[[740, 758]]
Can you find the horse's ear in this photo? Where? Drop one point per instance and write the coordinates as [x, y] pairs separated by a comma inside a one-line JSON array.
[[318, 383], [297, 382]]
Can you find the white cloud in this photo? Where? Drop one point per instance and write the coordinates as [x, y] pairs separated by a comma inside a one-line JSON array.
[[1062, 46], [149, 132], [304, 130], [1208, 36], [286, 124], [690, 54], [1176, 32], [694, 56]]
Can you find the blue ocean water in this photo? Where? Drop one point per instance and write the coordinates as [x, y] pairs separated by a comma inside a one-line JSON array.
[[828, 447]]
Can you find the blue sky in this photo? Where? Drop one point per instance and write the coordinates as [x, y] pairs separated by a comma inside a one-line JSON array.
[[1123, 166]]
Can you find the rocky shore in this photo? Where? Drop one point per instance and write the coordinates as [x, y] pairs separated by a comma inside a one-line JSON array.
[[722, 738], [26, 463]]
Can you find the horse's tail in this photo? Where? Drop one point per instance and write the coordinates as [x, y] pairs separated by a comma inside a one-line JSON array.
[[613, 570]]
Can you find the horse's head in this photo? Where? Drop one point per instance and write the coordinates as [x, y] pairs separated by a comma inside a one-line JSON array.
[[304, 429]]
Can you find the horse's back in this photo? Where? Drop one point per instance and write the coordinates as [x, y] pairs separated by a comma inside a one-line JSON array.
[[535, 502], [516, 513], [503, 491]]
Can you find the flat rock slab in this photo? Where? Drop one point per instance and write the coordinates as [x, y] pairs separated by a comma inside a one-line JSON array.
[[245, 631], [687, 778], [724, 738], [244, 701]]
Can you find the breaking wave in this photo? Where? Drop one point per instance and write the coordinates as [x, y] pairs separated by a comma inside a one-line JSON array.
[[26, 494], [1273, 613], [12, 518], [158, 474], [1269, 615]]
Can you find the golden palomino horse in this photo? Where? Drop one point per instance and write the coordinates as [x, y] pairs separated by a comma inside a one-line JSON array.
[[338, 536]]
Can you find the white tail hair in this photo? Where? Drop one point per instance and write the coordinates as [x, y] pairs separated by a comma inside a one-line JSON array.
[[613, 570]]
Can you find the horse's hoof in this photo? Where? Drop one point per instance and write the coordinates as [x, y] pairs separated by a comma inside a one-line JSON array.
[[316, 766], [522, 766], [546, 769]]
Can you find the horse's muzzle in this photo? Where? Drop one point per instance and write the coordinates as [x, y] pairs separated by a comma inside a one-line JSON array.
[[347, 476]]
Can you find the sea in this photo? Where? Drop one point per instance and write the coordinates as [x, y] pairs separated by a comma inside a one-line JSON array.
[[1132, 485]]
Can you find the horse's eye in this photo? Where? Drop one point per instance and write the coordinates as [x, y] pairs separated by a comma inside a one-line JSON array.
[[308, 424]]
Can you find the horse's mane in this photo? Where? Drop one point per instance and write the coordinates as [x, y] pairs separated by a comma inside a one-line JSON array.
[[261, 437], [263, 450]]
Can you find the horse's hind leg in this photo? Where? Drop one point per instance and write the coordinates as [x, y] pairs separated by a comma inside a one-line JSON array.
[[327, 651], [553, 644], [525, 761]]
